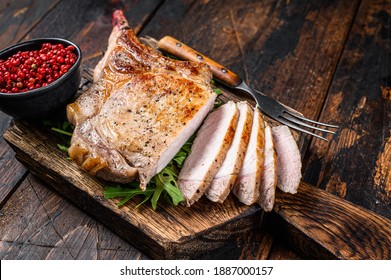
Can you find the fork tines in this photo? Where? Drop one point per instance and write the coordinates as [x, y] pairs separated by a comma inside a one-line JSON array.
[[295, 120]]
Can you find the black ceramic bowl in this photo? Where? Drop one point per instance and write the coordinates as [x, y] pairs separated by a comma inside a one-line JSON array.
[[44, 101]]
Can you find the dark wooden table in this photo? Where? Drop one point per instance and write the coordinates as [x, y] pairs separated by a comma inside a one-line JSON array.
[[328, 59]]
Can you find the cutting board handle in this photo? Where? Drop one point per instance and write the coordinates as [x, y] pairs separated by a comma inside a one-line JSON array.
[[180, 50]]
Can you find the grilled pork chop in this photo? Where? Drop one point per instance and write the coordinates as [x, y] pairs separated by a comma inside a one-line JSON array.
[[225, 177], [288, 159], [247, 183], [208, 152], [140, 110]]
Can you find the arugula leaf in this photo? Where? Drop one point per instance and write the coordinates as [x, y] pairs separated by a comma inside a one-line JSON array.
[[218, 103], [67, 126], [180, 157], [63, 148], [184, 152], [156, 195], [167, 179], [126, 193], [62, 131], [163, 182], [147, 197], [218, 91], [172, 56], [187, 147]]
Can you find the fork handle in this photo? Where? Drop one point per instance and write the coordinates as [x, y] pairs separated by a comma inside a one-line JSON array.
[[180, 50]]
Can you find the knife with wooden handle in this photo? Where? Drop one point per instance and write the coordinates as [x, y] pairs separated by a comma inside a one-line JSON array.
[[268, 105]]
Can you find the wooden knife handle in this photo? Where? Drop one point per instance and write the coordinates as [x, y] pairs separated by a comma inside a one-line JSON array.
[[180, 50]]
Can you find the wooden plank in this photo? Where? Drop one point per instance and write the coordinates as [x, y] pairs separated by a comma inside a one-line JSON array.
[[321, 225], [359, 156], [169, 232], [5, 120], [334, 227], [11, 170], [257, 245], [17, 18], [91, 25], [262, 243], [279, 251], [37, 223]]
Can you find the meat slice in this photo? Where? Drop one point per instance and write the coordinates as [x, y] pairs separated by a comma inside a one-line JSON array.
[[288, 159], [208, 152], [139, 112], [225, 177], [269, 177], [246, 187]]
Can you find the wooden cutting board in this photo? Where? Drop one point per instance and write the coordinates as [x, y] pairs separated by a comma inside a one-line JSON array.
[[169, 232], [313, 222]]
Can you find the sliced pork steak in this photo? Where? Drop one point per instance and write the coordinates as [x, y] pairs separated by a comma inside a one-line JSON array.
[[208, 152], [140, 110], [248, 182], [269, 177], [224, 179], [288, 159]]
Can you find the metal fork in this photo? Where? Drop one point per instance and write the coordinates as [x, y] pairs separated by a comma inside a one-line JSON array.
[[268, 105], [283, 114]]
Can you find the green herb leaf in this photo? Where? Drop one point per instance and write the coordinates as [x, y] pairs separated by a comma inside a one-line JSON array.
[[156, 195], [184, 152], [180, 158], [174, 192], [172, 56], [63, 148], [67, 126], [167, 199], [167, 179], [187, 147], [163, 182], [62, 131], [147, 197], [126, 193], [218, 91], [218, 103]]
